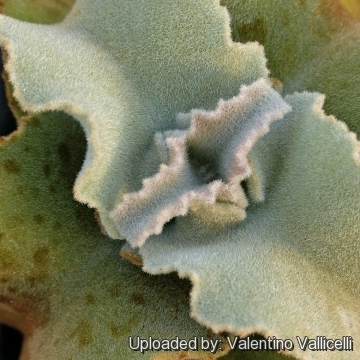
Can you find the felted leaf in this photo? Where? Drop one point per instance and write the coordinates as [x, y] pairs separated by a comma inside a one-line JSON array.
[[124, 70], [310, 45], [291, 268], [138, 97], [203, 166], [62, 283], [30, 289]]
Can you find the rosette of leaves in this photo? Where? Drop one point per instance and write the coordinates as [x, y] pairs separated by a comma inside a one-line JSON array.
[[179, 163], [67, 289]]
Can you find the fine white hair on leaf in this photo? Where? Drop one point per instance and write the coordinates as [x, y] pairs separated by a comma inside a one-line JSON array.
[[218, 142]]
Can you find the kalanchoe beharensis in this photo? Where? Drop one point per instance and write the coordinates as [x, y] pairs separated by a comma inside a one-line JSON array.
[[262, 187]]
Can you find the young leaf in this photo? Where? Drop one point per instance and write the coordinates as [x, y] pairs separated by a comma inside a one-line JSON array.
[[203, 166]]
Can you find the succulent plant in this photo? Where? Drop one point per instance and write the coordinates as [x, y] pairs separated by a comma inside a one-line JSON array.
[[199, 153]]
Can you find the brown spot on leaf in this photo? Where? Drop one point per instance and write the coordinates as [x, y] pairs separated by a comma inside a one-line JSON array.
[[52, 189], [124, 329], [33, 121], [41, 257], [19, 190], [83, 333], [115, 292], [31, 281], [12, 289], [47, 170], [138, 299], [90, 299], [277, 84], [39, 219], [132, 257], [2, 235], [302, 3], [8, 261], [4, 280], [329, 10], [114, 329], [11, 166]]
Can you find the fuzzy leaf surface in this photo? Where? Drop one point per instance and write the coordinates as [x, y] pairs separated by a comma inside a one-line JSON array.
[[203, 166], [124, 70], [297, 253], [29, 286]]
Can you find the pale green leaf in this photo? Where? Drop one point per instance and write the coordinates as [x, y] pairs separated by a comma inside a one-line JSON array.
[[291, 268], [203, 166], [125, 69]]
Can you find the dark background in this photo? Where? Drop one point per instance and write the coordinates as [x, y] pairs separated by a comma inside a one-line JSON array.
[[10, 339]]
